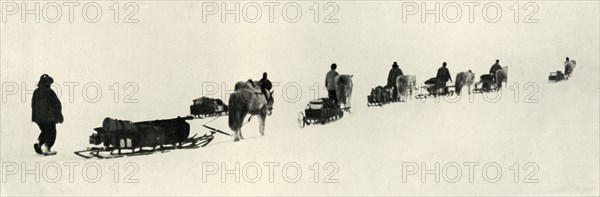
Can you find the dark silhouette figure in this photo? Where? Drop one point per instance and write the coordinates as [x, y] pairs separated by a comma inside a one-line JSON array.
[[330, 83], [46, 112], [495, 68], [394, 73], [443, 76], [265, 84]]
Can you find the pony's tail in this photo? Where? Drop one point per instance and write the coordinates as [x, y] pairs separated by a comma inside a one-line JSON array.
[[458, 83], [401, 85], [235, 112], [501, 76], [341, 94]]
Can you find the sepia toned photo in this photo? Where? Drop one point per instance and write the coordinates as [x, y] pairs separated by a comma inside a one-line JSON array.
[[299, 98]]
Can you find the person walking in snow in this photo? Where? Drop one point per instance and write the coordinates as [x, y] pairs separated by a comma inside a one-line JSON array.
[[46, 112]]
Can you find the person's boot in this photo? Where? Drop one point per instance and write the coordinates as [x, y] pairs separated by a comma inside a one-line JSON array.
[[44, 148], [48, 151], [37, 148]]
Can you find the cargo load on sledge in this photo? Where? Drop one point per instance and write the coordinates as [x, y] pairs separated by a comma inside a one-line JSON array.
[[118, 138], [206, 107]]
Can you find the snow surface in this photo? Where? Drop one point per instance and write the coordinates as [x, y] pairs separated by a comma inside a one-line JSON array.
[[169, 60]]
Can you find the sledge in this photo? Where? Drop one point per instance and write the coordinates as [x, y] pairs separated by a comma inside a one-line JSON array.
[[381, 96], [207, 107], [486, 84], [118, 138], [557, 76], [435, 89], [322, 111]]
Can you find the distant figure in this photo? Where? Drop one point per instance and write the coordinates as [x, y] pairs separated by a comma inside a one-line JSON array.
[[494, 68], [330, 83], [569, 66], [443, 75], [265, 84], [394, 73], [46, 112]]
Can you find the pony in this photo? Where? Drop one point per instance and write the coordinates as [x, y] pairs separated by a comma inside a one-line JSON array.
[[501, 76], [569, 67], [464, 79], [247, 98], [343, 90], [406, 84]]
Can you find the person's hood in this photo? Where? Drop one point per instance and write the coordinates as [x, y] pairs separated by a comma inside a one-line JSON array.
[[45, 81]]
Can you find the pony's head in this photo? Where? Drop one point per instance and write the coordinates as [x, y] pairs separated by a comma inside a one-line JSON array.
[[270, 102]]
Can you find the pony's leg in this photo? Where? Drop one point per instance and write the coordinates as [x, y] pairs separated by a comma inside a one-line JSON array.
[[400, 97], [262, 124], [348, 104], [236, 135]]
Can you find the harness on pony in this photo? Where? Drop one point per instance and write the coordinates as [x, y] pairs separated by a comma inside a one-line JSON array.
[[263, 92]]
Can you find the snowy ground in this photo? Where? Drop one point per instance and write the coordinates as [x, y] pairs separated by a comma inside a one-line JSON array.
[[368, 146], [550, 129]]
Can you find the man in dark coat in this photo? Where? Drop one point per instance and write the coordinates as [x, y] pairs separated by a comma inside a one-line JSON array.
[[330, 82], [443, 76], [495, 68], [46, 112], [393, 74], [265, 84]]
